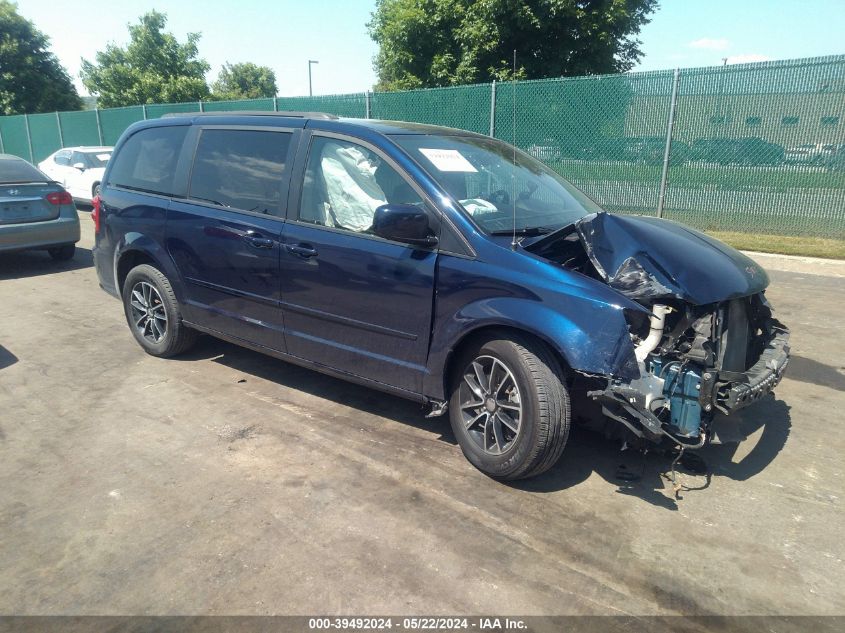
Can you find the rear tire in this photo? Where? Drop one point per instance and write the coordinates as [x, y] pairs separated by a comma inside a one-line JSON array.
[[62, 253], [153, 315], [516, 425]]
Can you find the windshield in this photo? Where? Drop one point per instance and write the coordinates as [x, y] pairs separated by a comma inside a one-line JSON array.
[[97, 159], [492, 186]]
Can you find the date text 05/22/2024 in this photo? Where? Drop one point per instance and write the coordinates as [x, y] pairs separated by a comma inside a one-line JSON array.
[[417, 624]]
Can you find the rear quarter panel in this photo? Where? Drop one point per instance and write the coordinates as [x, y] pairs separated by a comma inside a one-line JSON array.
[[131, 222]]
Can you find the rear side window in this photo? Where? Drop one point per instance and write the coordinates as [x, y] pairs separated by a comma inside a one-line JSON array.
[[147, 161], [62, 158], [242, 169]]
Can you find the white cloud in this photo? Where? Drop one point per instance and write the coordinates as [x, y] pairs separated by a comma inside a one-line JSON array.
[[710, 44], [748, 59]]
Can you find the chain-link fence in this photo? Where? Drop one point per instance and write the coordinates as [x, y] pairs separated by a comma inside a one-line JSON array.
[[754, 147]]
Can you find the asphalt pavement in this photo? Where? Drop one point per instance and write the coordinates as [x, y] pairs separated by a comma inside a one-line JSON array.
[[226, 482]]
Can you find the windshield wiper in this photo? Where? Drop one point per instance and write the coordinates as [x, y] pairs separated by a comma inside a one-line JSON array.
[[528, 230]]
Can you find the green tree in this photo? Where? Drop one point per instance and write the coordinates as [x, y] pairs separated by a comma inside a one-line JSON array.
[[153, 68], [31, 78], [430, 43], [244, 81]]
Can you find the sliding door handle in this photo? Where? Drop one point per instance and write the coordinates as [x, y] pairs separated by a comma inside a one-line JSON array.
[[303, 250], [258, 242]]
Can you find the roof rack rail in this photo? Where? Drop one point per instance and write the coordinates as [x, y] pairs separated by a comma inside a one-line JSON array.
[[282, 113]]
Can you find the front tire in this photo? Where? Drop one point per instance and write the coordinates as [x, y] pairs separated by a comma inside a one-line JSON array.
[[153, 314], [509, 408]]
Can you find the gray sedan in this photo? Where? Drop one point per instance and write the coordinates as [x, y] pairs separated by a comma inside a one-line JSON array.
[[35, 211]]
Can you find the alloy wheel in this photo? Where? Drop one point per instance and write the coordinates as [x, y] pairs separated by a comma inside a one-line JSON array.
[[149, 317], [491, 406]]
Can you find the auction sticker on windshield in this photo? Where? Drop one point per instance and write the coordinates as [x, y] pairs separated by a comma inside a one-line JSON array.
[[448, 160]]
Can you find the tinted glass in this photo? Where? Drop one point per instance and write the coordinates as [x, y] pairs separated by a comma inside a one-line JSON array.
[[62, 158], [496, 185], [78, 157], [346, 182], [147, 161], [16, 170], [241, 169]]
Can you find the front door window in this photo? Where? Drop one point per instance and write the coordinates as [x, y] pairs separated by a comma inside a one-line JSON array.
[[345, 183]]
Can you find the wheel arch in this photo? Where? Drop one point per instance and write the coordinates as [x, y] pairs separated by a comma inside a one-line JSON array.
[[129, 260], [136, 249], [590, 337], [503, 331]]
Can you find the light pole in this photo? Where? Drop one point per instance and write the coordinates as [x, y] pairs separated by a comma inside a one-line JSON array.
[[310, 61]]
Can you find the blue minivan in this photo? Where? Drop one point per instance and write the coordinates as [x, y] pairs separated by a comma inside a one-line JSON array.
[[437, 264]]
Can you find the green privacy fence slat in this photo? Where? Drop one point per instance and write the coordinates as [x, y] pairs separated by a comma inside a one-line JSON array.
[[79, 128], [44, 132], [115, 120], [232, 106], [754, 147], [580, 128], [352, 105], [464, 107], [156, 111], [13, 131]]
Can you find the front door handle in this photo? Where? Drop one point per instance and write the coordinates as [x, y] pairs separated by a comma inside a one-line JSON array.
[[303, 250], [257, 241]]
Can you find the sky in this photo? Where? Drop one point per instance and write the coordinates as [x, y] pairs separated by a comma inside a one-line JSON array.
[[285, 34], [281, 34], [692, 33]]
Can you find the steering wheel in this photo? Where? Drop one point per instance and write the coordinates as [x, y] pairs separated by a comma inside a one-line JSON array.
[[529, 191], [500, 198]]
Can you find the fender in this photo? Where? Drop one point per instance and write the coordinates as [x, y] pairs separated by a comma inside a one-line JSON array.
[[591, 336], [134, 242]]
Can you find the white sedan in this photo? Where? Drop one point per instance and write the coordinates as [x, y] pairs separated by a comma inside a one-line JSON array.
[[79, 169]]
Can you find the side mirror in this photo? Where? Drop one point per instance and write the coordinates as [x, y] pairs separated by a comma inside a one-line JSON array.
[[79, 166], [405, 223]]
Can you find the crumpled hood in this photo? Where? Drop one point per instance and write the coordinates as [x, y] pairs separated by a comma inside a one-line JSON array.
[[651, 258]]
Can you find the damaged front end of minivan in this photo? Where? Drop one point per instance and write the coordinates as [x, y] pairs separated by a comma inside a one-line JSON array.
[[707, 340]]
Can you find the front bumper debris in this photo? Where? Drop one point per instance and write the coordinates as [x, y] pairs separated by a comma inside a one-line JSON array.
[[732, 391], [678, 399]]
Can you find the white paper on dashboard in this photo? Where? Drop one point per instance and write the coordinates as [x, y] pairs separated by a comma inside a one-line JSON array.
[[448, 160]]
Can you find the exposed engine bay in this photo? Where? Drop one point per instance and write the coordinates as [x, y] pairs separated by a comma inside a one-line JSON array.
[[706, 342], [694, 361]]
